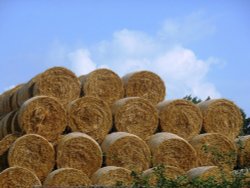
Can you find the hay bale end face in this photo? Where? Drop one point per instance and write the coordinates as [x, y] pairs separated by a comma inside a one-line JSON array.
[[18, 177], [7, 141], [214, 149], [33, 152], [57, 82], [90, 115], [221, 116], [111, 176], [169, 172], [79, 151], [67, 177], [126, 150], [136, 116], [243, 147], [145, 84], [170, 149], [44, 116], [180, 117], [103, 83]]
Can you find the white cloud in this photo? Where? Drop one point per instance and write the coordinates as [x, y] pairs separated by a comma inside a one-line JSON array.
[[183, 72]]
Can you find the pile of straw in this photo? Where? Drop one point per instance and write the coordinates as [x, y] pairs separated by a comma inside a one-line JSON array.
[[170, 149], [44, 116], [145, 84], [180, 117], [6, 124], [56, 82], [221, 116], [214, 149], [126, 150], [111, 175], [103, 83], [18, 177], [170, 172], [136, 116], [34, 153], [206, 172], [243, 146], [67, 177], [90, 115], [79, 151]]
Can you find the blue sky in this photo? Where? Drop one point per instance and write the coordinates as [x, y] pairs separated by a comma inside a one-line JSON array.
[[197, 47]]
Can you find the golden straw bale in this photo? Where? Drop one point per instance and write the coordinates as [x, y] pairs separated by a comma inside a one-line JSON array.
[[7, 141], [33, 152], [169, 172], [103, 83], [145, 84], [206, 172], [5, 124], [221, 116], [126, 150], [44, 116], [57, 82], [214, 149], [90, 115], [243, 146], [18, 177], [136, 116], [79, 151], [170, 149], [67, 177], [111, 176], [180, 117]]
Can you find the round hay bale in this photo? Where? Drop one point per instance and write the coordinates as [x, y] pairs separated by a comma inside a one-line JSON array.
[[111, 176], [5, 124], [136, 116], [221, 116], [57, 82], [206, 172], [44, 116], [79, 151], [214, 149], [126, 150], [6, 142], [243, 146], [33, 152], [145, 84], [18, 177], [169, 172], [67, 177], [180, 117], [90, 115], [103, 83], [170, 149]]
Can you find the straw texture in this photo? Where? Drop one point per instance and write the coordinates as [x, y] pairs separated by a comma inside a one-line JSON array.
[[243, 146], [206, 172], [18, 177], [221, 116], [103, 83], [136, 116], [56, 82], [170, 149], [7, 141], [34, 153], [126, 150], [67, 177], [44, 116], [145, 84], [79, 151], [90, 115], [5, 124], [214, 149], [180, 117], [170, 172], [111, 175]]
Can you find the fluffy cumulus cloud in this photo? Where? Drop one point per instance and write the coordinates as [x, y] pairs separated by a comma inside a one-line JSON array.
[[183, 72]]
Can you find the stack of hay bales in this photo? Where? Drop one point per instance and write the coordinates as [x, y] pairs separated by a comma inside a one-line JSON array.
[[61, 130]]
